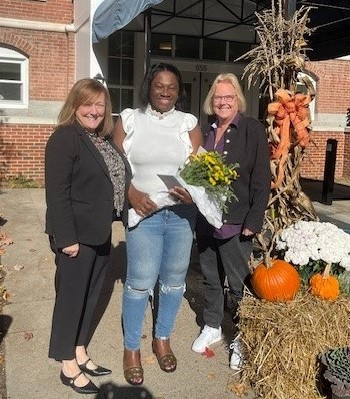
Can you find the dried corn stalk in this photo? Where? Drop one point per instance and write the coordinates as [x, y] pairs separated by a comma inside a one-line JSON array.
[[276, 61]]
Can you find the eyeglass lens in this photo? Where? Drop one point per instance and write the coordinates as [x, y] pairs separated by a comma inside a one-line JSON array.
[[228, 99]]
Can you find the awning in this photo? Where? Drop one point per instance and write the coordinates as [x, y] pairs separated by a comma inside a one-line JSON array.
[[226, 20]]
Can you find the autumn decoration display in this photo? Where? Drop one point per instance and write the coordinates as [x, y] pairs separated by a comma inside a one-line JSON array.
[[285, 334]]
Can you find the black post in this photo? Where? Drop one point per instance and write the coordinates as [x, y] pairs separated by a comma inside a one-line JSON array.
[[329, 172]]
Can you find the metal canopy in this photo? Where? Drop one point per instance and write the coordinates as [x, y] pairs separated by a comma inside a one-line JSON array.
[[234, 20]]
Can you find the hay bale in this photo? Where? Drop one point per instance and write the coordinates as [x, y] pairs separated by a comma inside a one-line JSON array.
[[283, 342]]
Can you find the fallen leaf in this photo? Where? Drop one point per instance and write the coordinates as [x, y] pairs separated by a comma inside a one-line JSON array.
[[18, 267], [7, 295], [237, 388], [208, 352], [149, 359], [28, 336], [211, 376], [5, 239]]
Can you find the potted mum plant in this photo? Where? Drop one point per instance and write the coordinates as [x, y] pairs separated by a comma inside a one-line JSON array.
[[316, 248], [336, 362]]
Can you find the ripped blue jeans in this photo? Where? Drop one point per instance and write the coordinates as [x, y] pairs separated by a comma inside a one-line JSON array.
[[158, 249]]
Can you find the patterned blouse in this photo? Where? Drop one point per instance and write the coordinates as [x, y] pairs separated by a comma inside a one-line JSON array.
[[116, 169]]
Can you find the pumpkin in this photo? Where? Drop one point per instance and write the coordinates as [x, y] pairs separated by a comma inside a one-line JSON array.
[[277, 281], [324, 285]]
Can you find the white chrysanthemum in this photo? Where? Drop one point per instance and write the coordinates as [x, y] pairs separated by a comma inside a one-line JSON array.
[[305, 241]]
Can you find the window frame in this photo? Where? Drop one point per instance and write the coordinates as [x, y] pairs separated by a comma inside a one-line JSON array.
[[14, 57]]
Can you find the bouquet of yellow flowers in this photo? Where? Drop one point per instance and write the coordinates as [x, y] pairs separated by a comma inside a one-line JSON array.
[[208, 170]]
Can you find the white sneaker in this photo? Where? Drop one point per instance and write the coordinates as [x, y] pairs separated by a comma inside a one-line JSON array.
[[236, 360], [207, 337]]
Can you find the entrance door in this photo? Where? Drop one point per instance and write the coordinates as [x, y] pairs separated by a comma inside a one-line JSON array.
[[197, 85]]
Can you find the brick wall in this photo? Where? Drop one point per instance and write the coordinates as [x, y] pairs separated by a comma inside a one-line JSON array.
[[333, 85], [22, 151], [59, 11], [51, 74], [313, 164], [51, 60]]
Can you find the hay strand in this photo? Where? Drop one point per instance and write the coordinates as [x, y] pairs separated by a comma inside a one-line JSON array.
[[284, 340]]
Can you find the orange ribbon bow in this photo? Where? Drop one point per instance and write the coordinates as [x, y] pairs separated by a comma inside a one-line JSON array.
[[289, 110]]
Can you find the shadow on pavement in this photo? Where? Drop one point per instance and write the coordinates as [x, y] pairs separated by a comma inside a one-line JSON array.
[[112, 391], [5, 322], [313, 189]]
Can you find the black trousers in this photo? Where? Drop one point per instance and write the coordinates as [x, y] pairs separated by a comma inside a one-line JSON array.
[[219, 258], [78, 284]]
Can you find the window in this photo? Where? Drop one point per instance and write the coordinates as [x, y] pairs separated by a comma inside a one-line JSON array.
[[13, 79], [161, 44], [121, 69], [214, 49], [187, 47]]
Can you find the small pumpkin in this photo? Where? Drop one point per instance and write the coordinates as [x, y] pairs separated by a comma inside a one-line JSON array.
[[325, 286], [276, 281]]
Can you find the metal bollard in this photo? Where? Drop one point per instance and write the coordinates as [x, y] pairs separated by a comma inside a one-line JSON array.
[[329, 172]]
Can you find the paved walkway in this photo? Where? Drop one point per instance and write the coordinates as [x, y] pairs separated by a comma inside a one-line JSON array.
[[29, 282], [29, 372]]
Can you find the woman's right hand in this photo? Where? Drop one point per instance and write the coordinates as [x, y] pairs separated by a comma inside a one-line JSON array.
[[141, 202], [72, 251]]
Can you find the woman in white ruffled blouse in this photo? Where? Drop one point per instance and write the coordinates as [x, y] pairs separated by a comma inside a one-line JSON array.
[[157, 139]]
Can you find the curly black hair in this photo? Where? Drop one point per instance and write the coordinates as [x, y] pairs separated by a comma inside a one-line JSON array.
[[144, 96]]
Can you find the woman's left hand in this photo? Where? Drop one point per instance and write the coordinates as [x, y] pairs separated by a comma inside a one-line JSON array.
[[181, 195], [247, 232]]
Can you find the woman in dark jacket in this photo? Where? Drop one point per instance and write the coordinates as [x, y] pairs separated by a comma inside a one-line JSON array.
[[86, 178], [226, 251]]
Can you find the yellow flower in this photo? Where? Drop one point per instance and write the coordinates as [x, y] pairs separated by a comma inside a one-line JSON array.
[[210, 171]]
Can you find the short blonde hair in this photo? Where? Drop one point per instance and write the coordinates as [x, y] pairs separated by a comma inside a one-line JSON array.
[[227, 78], [85, 91]]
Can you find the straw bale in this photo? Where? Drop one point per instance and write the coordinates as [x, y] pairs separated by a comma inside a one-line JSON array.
[[282, 343]]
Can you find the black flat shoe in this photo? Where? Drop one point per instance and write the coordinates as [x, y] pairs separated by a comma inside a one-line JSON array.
[[94, 372], [90, 387]]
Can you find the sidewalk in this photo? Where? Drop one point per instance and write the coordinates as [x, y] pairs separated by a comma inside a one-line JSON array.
[[29, 372]]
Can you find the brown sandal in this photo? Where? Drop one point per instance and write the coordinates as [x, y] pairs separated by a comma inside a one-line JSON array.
[[165, 356], [133, 371]]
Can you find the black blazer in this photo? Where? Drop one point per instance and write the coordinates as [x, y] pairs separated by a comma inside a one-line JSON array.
[[247, 144], [79, 192]]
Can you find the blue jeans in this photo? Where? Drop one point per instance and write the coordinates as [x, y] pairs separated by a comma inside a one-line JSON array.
[[158, 249]]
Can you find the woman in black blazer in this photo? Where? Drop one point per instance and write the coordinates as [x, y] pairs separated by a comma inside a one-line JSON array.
[[86, 178]]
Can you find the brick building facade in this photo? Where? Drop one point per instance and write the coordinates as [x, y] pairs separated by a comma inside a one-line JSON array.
[[44, 34], [40, 32], [332, 101]]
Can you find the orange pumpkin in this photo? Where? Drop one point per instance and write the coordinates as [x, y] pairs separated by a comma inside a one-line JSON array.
[[324, 285], [276, 282]]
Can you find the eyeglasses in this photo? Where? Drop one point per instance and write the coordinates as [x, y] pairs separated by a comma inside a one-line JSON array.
[[228, 99]]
